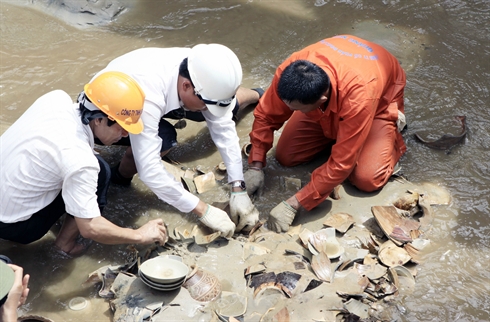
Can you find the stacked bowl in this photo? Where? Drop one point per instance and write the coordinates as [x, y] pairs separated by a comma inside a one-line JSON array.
[[163, 273]]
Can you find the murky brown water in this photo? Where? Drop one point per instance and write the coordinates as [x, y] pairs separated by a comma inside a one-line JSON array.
[[443, 45]]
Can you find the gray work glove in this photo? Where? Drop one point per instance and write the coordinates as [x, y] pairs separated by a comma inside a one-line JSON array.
[[218, 220], [254, 180], [242, 211], [281, 217]]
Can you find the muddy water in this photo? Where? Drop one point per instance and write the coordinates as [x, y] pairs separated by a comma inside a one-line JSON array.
[[443, 45]]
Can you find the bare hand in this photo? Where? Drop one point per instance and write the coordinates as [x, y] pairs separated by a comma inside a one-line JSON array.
[[153, 231], [17, 295]]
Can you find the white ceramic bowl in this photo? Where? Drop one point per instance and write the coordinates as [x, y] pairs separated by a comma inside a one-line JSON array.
[[161, 287], [164, 270]]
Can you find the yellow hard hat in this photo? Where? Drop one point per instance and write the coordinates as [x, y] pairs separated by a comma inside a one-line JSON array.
[[120, 97]]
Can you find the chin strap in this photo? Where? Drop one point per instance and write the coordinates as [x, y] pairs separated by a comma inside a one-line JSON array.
[[88, 111]]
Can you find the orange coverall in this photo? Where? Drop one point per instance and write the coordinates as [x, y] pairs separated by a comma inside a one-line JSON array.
[[367, 85]]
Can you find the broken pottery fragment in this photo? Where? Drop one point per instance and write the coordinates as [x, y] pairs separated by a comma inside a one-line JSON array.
[[325, 240], [349, 283], [246, 149], [304, 236], [33, 318], [256, 227], [205, 182], [340, 221], [392, 255], [202, 239], [408, 201], [312, 285], [358, 308], [264, 278], [254, 269], [282, 315], [322, 267], [254, 249], [107, 280], [373, 272], [183, 233], [221, 167], [302, 257], [434, 194], [413, 253], [288, 282], [335, 194], [230, 305], [291, 184], [393, 225], [446, 141], [402, 278], [189, 184]]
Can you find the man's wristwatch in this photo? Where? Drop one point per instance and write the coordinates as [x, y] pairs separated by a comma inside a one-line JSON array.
[[238, 184]]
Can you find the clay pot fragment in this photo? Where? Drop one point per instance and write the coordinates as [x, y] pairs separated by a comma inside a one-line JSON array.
[[304, 236], [358, 308], [322, 267], [282, 315], [335, 194], [446, 141], [392, 255], [33, 318], [325, 240], [202, 239], [205, 182], [254, 269], [246, 148], [373, 272], [341, 222], [286, 282], [407, 202], [302, 257], [402, 278], [189, 184], [393, 225], [230, 305]]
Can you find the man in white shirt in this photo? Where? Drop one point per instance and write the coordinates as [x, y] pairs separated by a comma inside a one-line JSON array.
[[48, 166], [204, 79]]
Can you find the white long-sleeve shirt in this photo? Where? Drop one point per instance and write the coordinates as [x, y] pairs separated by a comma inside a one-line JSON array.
[[46, 150], [156, 70]]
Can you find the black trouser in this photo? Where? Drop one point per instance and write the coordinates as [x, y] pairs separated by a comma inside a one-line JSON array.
[[38, 224]]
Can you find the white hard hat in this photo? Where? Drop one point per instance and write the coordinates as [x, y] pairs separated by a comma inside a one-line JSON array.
[[216, 74]]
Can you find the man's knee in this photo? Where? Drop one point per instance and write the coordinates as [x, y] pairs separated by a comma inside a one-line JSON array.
[[369, 181], [286, 160]]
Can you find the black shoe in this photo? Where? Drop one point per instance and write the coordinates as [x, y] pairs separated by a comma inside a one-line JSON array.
[[118, 179]]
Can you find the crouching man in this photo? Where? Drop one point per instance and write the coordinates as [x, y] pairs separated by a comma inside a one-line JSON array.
[[48, 166]]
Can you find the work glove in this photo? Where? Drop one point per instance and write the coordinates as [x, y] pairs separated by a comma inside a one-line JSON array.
[[281, 217], [218, 220], [254, 180], [242, 211]]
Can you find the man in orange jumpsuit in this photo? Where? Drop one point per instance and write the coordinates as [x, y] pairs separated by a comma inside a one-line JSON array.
[[343, 91]]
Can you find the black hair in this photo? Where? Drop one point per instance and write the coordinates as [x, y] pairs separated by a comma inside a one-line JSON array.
[[2, 301], [87, 115], [302, 81], [184, 70]]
